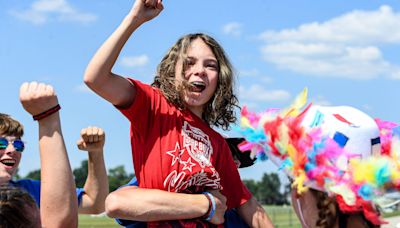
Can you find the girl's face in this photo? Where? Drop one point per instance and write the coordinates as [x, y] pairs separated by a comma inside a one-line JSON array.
[[201, 74]]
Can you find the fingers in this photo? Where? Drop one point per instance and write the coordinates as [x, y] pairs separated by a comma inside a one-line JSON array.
[[92, 139], [92, 134], [37, 97], [220, 201], [153, 3]]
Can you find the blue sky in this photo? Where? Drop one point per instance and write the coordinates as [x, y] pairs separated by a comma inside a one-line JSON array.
[[345, 52]]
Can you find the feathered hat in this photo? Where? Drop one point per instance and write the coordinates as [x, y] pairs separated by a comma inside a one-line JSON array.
[[339, 150]]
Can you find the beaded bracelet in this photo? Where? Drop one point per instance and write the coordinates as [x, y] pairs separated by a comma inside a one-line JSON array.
[[47, 112], [212, 206]]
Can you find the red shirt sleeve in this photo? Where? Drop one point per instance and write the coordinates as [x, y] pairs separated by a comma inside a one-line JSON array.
[[233, 187]]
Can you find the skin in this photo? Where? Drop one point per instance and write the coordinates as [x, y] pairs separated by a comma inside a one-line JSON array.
[[154, 205], [308, 207], [7, 172], [202, 67], [96, 186], [58, 197], [120, 92]]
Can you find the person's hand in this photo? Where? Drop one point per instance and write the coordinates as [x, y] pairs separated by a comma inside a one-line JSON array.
[[145, 10], [220, 201], [37, 97], [92, 139]]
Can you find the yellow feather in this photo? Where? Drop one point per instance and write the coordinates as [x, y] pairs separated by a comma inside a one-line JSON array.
[[295, 107]]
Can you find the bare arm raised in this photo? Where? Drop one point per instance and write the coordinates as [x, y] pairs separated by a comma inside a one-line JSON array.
[[96, 186], [98, 75], [58, 200]]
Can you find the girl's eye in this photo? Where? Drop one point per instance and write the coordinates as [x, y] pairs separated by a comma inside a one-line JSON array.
[[190, 62], [212, 66]]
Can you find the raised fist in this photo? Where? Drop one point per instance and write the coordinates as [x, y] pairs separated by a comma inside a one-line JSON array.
[[92, 139], [37, 97]]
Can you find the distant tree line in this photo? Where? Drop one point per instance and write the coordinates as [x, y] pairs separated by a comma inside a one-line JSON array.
[[267, 190], [116, 176]]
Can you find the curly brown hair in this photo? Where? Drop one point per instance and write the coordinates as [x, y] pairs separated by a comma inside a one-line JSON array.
[[10, 126], [220, 110], [327, 209]]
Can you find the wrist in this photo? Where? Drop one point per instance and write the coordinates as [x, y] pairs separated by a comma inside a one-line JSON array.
[[50, 122], [202, 206], [211, 206], [95, 154], [134, 20], [45, 114]]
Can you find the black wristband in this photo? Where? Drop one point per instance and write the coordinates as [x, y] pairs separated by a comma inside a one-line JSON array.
[[47, 112]]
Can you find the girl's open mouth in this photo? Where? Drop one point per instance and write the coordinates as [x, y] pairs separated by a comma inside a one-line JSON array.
[[197, 86]]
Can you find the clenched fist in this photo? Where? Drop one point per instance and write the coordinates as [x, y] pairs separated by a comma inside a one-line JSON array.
[[92, 139], [37, 97], [145, 10]]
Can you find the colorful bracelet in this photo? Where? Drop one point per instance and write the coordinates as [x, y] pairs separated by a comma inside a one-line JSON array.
[[211, 208], [47, 112]]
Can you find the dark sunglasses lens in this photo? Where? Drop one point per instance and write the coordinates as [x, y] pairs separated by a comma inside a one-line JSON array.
[[3, 143], [19, 145]]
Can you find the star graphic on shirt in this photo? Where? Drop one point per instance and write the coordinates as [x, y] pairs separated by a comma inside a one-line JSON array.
[[187, 164], [176, 153]]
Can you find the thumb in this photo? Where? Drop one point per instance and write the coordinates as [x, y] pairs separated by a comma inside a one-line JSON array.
[[80, 143]]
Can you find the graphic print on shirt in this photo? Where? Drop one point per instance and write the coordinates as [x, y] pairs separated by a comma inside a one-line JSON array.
[[197, 144], [195, 153]]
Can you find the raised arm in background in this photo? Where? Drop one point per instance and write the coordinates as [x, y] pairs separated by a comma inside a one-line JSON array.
[[59, 207], [96, 186]]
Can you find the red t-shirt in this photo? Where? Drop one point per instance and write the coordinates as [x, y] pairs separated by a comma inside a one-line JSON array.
[[176, 151]]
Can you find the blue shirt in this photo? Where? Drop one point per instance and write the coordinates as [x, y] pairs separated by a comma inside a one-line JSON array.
[[33, 188]]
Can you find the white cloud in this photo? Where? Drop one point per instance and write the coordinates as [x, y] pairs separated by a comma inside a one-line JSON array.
[[253, 73], [257, 93], [233, 28], [249, 73], [41, 11], [134, 61], [396, 74], [347, 46]]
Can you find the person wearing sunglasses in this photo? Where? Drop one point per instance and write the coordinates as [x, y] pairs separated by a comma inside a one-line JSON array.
[[34, 97]]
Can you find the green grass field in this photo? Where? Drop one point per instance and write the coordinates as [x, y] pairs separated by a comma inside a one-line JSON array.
[[87, 221], [281, 217]]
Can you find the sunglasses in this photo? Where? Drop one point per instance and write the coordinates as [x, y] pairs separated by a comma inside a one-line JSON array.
[[17, 143]]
